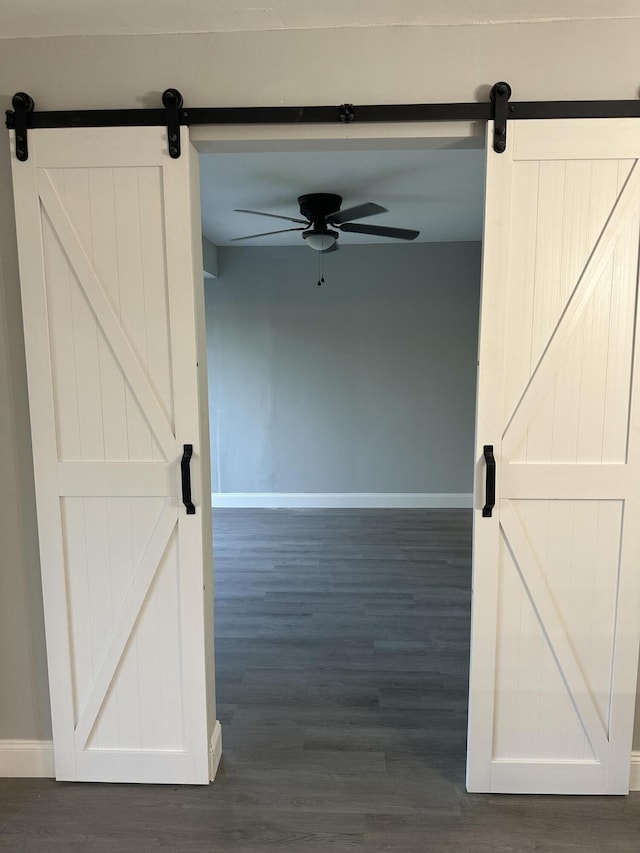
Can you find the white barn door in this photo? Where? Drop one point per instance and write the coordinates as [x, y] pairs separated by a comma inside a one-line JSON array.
[[108, 230], [555, 603]]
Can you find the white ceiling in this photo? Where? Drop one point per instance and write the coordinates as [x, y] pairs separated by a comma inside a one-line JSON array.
[[34, 18], [438, 192]]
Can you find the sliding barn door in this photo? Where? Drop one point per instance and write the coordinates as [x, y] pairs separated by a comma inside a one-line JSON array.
[[107, 225], [556, 612]]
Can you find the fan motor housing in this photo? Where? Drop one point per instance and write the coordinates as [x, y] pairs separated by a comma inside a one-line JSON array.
[[317, 206]]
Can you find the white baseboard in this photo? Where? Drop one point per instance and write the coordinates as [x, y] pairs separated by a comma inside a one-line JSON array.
[[26, 758], [634, 780], [34, 758], [215, 750], [341, 500]]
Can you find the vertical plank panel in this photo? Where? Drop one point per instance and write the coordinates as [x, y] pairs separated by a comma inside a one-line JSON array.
[[105, 261], [520, 300], [63, 360], [605, 593], [75, 195], [120, 571], [507, 657], [547, 299], [536, 691], [100, 602], [575, 237], [148, 323], [154, 277], [594, 374], [154, 637], [130, 284], [549, 251], [77, 199], [92, 631], [126, 683], [148, 648], [114, 407], [77, 578], [533, 692], [167, 596], [576, 601], [596, 323], [621, 326], [540, 520]]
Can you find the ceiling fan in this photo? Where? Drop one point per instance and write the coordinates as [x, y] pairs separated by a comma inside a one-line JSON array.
[[321, 212]]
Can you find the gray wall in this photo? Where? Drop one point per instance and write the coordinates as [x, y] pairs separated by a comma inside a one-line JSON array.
[[366, 384], [24, 688], [553, 61]]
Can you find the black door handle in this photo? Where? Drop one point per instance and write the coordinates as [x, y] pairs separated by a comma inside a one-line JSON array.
[[490, 485], [185, 469]]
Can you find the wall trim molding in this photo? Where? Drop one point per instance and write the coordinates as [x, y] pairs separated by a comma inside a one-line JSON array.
[[634, 780], [27, 758], [341, 500], [34, 758]]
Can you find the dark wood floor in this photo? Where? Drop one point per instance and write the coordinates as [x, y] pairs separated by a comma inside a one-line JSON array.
[[342, 657]]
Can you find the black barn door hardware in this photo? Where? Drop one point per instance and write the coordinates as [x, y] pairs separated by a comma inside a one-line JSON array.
[[347, 115], [185, 469], [500, 94], [498, 108], [172, 100], [23, 105], [490, 483]]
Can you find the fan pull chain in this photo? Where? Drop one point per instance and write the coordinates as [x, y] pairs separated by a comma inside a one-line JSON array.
[[320, 269]]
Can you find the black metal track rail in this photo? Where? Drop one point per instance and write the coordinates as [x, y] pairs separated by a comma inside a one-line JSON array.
[[327, 115], [24, 116], [574, 109], [257, 115]]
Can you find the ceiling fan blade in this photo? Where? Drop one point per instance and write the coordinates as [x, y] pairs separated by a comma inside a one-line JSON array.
[[265, 234], [357, 212], [380, 231], [272, 215]]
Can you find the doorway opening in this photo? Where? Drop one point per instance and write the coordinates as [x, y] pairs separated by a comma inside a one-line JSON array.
[[342, 431]]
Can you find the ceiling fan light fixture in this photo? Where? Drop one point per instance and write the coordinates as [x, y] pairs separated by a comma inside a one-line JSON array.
[[321, 210], [320, 240]]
